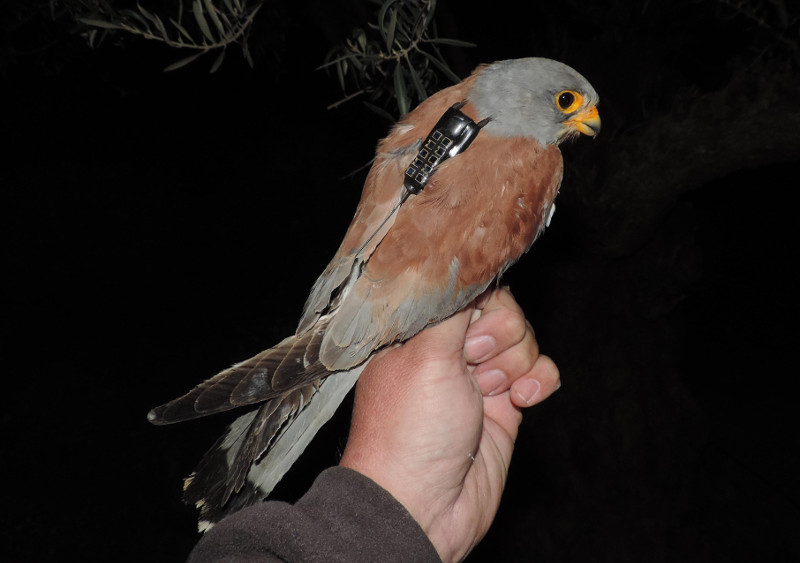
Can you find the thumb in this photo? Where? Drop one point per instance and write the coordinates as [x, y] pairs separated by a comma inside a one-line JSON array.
[[447, 336], [442, 342]]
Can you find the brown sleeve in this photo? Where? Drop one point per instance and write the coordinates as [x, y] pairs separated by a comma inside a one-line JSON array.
[[344, 516]]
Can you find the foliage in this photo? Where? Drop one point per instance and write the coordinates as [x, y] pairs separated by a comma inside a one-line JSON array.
[[396, 62], [392, 63], [212, 26], [779, 23]]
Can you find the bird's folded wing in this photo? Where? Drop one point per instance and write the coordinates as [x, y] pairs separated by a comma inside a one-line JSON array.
[[479, 213], [381, 194], [291, 364]]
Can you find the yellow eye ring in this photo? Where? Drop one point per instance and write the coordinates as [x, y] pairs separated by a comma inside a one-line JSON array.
[[568, 101]]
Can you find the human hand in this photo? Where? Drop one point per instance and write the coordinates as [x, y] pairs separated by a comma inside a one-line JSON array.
[[425, 409]]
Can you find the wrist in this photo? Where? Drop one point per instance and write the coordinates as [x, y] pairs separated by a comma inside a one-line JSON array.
[[427, 510]]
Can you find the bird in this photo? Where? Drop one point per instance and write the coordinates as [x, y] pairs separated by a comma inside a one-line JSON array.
[[458, 191]]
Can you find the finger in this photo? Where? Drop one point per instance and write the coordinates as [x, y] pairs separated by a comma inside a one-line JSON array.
[[497, 374], [534, 387], [500, 326], [448, 335], [506, 416], [480, 302]]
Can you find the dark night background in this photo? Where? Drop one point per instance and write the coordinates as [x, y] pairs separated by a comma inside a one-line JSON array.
[[158, 227]]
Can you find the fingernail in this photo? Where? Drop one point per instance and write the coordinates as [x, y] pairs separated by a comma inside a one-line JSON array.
[[527, 390], [478, 347], [476, 314], [491, 381]]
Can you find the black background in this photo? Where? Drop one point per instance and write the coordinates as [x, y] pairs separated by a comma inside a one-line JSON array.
[[160, 226]]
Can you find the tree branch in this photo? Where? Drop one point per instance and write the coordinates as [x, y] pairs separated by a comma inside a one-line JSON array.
[[753, 121]]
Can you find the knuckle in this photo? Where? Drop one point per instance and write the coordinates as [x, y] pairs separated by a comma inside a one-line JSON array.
[[514, 325]]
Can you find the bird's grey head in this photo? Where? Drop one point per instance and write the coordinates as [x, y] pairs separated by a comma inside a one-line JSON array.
[[536, 97]]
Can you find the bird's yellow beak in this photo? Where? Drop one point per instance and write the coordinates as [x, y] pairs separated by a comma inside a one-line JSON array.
[[586, 121]]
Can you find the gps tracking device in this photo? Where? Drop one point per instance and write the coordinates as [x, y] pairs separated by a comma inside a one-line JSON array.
[[451, 135]]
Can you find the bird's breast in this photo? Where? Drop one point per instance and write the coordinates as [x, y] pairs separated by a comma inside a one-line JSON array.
[[484, 208]]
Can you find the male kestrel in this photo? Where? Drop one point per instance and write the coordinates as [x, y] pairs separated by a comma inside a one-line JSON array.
[[458, 191]]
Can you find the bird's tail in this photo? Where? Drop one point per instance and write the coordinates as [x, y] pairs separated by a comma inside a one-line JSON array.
[[246, 463], [297, 395]]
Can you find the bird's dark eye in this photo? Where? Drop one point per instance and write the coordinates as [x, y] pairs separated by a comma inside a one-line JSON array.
[[568, 100]]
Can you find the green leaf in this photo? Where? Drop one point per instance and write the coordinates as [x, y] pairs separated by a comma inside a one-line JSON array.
[[390, 31], [361, 37], [357, 64], [442, 67], [335, 61], [454, 42], [182, 31], [248, 57], [161, 28], [137, 17], [409, 17], [400, 90], [385, 5], [382, 17], [225, 21], [340, 72], [217, 62], [145, 13], [156, 21], [418, 86], [254, 10], [429, 16], [212, 12], [183, 62], [197, 8], [100, 23]]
